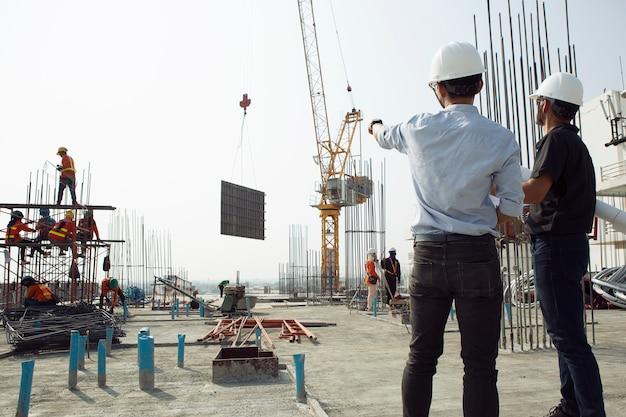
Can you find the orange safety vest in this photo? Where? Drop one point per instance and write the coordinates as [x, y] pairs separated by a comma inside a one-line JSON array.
[[39, 292], [67, 167], [60, 231], [13, 233]]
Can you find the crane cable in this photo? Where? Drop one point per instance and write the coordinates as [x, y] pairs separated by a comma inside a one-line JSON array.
[[343, 61]]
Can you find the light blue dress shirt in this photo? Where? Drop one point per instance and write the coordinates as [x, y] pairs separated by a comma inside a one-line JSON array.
[[454, 157]]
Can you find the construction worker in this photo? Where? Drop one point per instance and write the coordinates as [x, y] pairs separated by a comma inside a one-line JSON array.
[[455, 156], [562, 194], [44, 225], [371, 279], [87, 228], [38, 294], [221, 286], [63, 234], [110, 287], [391, 268], [68, 175], [14, 238]]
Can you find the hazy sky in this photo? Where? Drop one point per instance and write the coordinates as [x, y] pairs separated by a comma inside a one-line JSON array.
[[148, 92]]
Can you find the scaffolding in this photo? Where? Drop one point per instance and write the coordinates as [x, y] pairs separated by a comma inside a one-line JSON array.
[[51, 268]]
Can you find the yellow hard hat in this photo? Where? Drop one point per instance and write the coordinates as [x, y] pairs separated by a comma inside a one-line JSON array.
[[69, 213], [62, 149]]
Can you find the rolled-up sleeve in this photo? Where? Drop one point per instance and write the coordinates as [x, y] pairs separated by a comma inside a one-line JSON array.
[[508, 181], [390, 137]]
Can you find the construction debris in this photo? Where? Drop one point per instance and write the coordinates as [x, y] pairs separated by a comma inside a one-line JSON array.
[[49, 329]]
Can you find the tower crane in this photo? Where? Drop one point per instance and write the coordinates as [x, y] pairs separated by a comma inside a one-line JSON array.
[[336, 189]]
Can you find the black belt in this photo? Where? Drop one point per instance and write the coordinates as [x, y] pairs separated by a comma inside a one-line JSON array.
[[448, 237]]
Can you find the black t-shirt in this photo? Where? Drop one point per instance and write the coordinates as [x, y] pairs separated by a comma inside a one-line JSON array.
[[570, 204]]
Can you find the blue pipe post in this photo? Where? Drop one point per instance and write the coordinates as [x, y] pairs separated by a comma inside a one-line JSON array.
[[187, 308], [125, 306], [374, 307], [201, 308], [177, 309], [144, 331], [146, 364], [181, 350], [72, 380], [257, 333], [82, 343], [298, 360], [102, 363], [507, 310], [26, 385], [158, 304], [109, 339], [172, 311]]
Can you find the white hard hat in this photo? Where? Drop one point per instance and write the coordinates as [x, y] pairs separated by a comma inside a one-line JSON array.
[[371, 251], [455, 60], [561, 86], [392, 249]]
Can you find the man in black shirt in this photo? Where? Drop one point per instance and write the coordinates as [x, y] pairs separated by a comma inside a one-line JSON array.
[[391, 267], [561, 191]]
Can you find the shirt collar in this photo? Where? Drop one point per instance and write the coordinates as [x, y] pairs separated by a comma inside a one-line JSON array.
[[468, 108], [566, 126]]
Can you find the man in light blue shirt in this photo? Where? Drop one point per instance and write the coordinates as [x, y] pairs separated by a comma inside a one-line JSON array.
[[456, 157]]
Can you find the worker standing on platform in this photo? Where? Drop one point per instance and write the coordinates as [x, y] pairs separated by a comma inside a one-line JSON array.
[[44, 225], [455, 156], [38, 294], [63, 234], [110, 287], [391, 269], [14, 238], [222, 285], [562, 194], [68, 175], [87, 228], [371, 279]]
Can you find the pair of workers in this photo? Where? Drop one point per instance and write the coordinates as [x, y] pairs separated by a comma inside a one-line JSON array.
[[391, 271], [456, 156]]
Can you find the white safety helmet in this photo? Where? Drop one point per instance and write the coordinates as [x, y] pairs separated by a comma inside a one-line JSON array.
[[371, 251], [392, 249], [561, 86], [455, 60]]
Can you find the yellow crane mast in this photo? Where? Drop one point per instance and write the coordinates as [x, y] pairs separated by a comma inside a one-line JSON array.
[[336, 189]]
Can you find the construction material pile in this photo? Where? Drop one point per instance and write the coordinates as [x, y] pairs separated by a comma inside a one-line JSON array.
[[244, 328], [49, 329], [611, 285]]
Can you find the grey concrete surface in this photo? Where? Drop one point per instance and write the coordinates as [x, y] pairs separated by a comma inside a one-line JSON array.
[[355, 369]]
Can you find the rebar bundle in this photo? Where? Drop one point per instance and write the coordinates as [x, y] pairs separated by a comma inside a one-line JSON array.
[[41, 328]]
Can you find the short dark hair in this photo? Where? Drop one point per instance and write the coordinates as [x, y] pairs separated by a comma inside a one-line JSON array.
[[463, 87], [563, 110]]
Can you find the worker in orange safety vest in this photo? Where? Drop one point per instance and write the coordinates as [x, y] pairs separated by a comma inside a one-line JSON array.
[[371, 278], [14, 238], [68, 175], [38, 294], [87, 228], [63, 234], [110, 286]]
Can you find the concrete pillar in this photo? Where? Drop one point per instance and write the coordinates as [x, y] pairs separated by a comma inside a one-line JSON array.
[[298, 360], [181, 350]]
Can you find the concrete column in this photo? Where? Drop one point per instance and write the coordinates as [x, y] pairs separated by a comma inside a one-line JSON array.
[[102, 363], [26, 385], [72, 380], [146, 364]]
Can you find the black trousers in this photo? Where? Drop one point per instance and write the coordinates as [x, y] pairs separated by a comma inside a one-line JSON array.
[[71, 184], [560, 263], [466, 271], [391, 283]]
